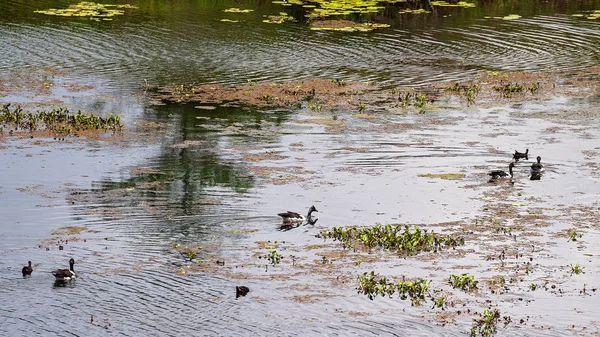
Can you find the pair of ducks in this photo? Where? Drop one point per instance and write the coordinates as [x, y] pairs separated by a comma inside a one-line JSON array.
[[293, 217], [534, 174], [59, 274]]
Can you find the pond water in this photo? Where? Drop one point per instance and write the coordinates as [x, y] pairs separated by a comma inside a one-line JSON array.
[[204, 178]]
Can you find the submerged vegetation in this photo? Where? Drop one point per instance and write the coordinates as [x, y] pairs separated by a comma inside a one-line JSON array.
[[58, 120]]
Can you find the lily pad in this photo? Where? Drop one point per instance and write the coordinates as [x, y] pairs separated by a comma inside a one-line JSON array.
[[89, 9]]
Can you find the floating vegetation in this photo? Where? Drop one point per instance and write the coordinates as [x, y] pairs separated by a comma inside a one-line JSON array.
[[509, 89], [486, 325], [237, 10], [468, 91], [397, 237], [593, 16], [576, 269], [262, 94], [463, 4], [59, 120], [346, 26], [414, 11], [228, 20], [188, 252], [408, 98], [463, 282], [511, 17], [68, 230], [281, 18], [273, 257], [446, 176], [89, 9], [373, 285]]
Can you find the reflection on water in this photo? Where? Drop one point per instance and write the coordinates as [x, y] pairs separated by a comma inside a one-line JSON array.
[[195, 184]]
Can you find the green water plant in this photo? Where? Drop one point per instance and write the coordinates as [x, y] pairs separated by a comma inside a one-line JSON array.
[[373, 285], [273, 257], [486, 325], [402, 238], [463, 282], [509, 89], [576, 269], [88, 9], [57, 120]]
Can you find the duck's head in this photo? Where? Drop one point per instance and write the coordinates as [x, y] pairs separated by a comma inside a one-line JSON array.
[[539, 159], [71, 262], [312, 209]]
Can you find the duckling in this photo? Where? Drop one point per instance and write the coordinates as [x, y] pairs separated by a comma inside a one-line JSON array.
[[518, 155], [241, 291], [537, 169], [297, 217], [65, 274], [27, 270], [495, 174]]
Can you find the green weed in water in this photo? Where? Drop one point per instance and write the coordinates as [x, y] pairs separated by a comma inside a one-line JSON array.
[[463, 282]]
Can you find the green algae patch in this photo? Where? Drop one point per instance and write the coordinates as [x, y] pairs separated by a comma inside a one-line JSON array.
[[228, 20], [446, 176], [68, 230], [322, 121], [346, 26], [89, 9], [237, 10]]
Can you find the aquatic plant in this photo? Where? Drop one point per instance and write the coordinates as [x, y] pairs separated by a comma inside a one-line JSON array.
[[573, 235], [397, 237], [445, 176], [373, 285], [576, 269], [58, 120], [281, 18], [347, 26], [237, 10], [447, 4], [92, 10], [509, 89], [463, 282], [533, 286], [273, 257], [468, 91], [486, 325]]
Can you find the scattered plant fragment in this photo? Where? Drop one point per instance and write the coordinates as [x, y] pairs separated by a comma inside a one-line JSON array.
[[463, 282]]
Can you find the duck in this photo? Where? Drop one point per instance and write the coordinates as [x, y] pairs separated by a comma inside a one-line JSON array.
[[495, 174], [289, 217], [27, 270], [537, 169], [518, 155], [241, 291], [65, 274]]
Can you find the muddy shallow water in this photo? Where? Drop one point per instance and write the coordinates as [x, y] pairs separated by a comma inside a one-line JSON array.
[[183, 179]]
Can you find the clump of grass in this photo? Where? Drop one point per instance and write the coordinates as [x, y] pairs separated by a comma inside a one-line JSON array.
[[401, 238], [408, 98], [463, 282], [373, 285]]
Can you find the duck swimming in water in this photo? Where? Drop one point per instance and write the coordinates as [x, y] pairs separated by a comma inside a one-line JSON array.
[[241, 291], [289, 217], [65, 274], [27, 270], [536, 170], [495, 174], [518, 155]]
